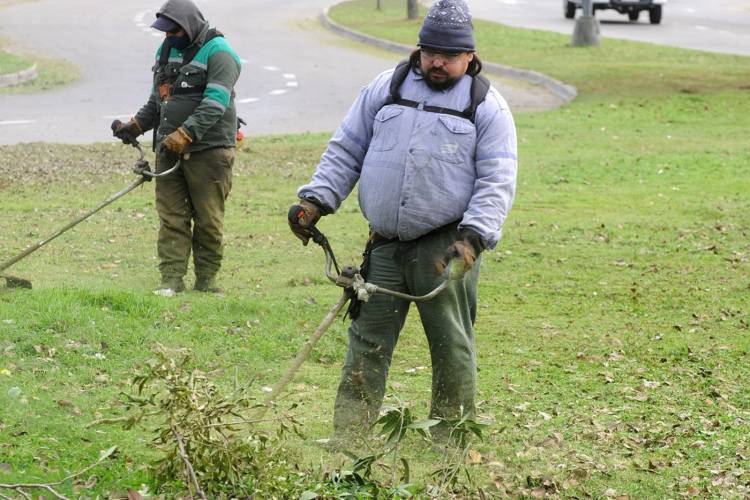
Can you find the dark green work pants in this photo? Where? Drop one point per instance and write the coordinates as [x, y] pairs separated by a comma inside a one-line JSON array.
[[190, 203], [447, 319]]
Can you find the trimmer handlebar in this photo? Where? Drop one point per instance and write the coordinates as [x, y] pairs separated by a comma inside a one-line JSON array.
[[351, 278], [142, 166]]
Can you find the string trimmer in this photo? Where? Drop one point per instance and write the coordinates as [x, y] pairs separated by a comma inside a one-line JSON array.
[[354, 285], [141, 168]]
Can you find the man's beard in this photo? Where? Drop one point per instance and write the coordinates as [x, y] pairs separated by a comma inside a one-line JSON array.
[[445, 84]]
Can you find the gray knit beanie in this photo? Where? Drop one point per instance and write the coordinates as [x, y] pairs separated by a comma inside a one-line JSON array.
[[447, 26]]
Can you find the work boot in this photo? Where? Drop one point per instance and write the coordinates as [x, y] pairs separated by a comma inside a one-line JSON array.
[[170, 286], [204, 284]]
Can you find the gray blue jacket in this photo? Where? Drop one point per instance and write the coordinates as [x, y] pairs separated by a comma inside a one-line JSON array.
[[419, 170]]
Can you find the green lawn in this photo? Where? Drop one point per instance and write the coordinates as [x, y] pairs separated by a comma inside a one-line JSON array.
[[10, 63], [51, 73], [613, 326]]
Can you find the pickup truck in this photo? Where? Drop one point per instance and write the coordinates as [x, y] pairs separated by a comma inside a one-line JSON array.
[[632, 8]]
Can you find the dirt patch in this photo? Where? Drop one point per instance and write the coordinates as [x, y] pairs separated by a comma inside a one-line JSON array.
[[41, 163]]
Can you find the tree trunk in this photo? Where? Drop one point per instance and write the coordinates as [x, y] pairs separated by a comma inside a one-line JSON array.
[[377, 5], [412, 9]]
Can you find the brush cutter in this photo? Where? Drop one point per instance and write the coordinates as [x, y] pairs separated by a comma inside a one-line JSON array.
[[141, 168], [354, 285]]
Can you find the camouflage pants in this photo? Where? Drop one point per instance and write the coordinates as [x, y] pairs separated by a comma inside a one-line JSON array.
[[190, 203], [447, 320]]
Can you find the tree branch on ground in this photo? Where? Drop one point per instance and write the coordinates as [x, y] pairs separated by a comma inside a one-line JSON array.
[[21, 488]]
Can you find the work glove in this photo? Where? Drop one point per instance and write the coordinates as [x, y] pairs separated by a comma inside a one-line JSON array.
[[126, 132], [462, 253], [302, 218], [178, 141]]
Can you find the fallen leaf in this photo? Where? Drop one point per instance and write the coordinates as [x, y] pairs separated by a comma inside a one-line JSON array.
[[134, 495], [473, 457]]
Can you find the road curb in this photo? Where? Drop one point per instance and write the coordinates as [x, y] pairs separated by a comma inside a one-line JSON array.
[[19, 77], [562, 90]]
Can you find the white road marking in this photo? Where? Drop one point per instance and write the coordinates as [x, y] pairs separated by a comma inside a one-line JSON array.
[[289, 76], [244, 61], [16, 122], [277, 92], [248, 100], [700, 28], [138, 18], [292, 84], [270, 68]]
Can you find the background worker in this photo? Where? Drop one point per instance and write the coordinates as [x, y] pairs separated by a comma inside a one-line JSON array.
[[433, 147], [191, 109]]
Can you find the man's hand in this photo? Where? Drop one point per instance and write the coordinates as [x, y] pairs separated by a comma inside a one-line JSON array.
[[302, 218], [126, 132], [178, 141], [462, 253]]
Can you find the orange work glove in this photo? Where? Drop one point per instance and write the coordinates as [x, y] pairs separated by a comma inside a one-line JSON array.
[[178, 141]]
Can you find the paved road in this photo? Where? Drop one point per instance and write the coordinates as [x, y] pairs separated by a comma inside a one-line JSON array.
[[716, 25], [296, 76]]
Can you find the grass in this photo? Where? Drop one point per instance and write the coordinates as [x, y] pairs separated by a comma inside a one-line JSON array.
[[612, 333], [10, 63], [617, 70], [51, 73]]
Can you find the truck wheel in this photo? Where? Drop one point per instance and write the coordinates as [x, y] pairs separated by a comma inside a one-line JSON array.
[[654, 15], [633, 15], [569, 9]]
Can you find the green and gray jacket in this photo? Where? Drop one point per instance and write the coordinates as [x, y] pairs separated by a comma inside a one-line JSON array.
[[209, 113]]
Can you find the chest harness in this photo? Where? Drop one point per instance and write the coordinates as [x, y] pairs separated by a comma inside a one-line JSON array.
[[166, 83], [479, 88]]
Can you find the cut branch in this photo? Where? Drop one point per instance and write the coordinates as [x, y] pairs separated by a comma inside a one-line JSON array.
[[21, 487], [188, 466]]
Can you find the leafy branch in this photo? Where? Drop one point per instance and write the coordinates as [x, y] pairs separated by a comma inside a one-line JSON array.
[[206, 441]]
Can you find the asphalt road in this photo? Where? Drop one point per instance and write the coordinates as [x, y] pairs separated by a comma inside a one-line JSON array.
[[715, 25], [296, 76]]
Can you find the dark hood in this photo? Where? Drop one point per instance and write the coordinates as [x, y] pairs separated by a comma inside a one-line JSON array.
[[186, 14]]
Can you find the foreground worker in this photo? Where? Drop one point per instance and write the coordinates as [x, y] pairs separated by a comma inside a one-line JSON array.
[[191, 109], [433, 147]]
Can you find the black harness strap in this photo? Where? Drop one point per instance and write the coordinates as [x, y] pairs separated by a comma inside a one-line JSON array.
[[187, 57], [479, 88], [191, 51], [166, 48]]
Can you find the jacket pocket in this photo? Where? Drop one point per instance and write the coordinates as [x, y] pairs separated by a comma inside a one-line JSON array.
[[385, 129], [191, 77], [454, 139]]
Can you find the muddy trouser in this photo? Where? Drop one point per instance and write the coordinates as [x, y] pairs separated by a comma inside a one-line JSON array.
[[447, 319], [190, 203]]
